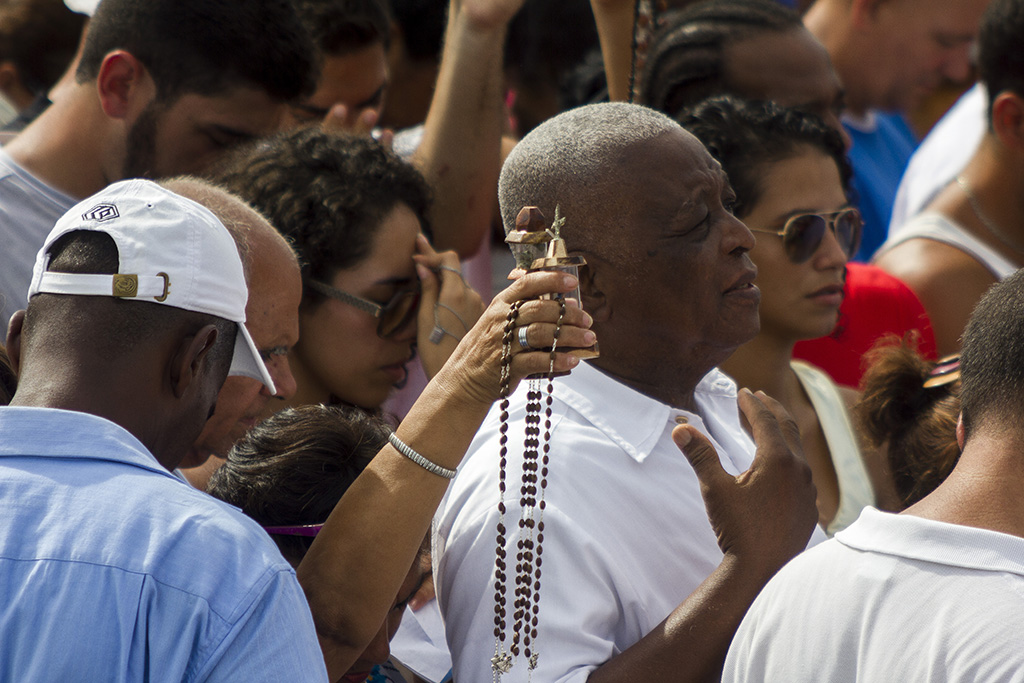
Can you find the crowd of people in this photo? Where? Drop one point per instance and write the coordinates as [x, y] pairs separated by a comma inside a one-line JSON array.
[[264, 414]]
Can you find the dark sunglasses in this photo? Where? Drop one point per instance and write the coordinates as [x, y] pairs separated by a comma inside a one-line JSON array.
[[802, 235], [391, 317]]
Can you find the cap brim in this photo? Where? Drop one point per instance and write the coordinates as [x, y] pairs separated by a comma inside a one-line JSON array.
[[86, 7], [247, 362]]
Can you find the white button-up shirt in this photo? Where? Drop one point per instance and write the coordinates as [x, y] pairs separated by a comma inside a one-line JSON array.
[[626, 536]]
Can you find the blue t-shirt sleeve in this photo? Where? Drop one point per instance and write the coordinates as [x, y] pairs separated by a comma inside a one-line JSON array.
[[879, 158]]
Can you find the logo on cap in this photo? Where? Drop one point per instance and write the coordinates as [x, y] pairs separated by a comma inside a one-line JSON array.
[[126, 285], [100, 213]]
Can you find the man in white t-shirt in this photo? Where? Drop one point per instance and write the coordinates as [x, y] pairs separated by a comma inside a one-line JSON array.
[[636, 584], [971, 234], [889, 56], [942, 154], [937, 592]]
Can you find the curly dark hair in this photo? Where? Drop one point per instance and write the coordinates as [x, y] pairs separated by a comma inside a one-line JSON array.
[[686, 61], [743, 135], [325, 192], [916, 424], [294, 467]]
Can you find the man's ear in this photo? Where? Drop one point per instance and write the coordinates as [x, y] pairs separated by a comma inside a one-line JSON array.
[[187, 363], [594, 300], [123, 85], [14, 329], [1008, 120]]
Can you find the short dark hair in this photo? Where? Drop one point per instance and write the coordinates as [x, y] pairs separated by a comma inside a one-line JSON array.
[[992, 357], [8, 380], [686, 61], [207, 46], [421, 23], [294, 467], [118, 326], [1000, 53], [40, 38], [339, 27], [917, 424], [325, 192], [743, 135]]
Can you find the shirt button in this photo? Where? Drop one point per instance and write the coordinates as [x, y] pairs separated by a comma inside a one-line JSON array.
[[682, 419]]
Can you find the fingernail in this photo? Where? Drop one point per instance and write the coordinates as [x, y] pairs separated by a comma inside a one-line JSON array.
[[589, 320], [573, 361], [422, 271], [684, 437], [569, 281], [589, 338]]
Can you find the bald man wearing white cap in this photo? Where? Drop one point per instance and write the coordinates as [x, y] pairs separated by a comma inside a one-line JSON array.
[[115, 569]]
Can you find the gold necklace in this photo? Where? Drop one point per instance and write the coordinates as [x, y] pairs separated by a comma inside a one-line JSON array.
[[972, 200]]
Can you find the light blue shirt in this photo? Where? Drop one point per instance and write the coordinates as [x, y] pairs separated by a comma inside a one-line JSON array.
[[111, 569]]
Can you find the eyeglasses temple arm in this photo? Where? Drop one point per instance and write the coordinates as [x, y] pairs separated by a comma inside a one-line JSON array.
[[362, 304]]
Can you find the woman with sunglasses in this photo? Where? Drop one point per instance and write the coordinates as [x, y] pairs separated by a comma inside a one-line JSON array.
[[356, 213], [791, 178]]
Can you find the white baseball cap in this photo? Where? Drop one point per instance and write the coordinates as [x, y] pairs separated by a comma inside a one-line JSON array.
[[171, 250]]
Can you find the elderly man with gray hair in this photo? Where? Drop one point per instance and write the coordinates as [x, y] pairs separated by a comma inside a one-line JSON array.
[[641, 578]]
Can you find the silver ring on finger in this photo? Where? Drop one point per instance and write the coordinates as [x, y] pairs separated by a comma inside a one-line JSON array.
[[523, 341]]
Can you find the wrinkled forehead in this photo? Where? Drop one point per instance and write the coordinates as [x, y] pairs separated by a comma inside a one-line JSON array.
[[673, 152], [658, 178]]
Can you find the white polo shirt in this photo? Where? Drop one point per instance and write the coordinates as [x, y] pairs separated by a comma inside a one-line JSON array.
[[890, 598], [626, 537]]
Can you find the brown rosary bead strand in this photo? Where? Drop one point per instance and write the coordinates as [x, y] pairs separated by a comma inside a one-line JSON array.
[[533, 618], [502, 661], [527, 501], [529, 546]]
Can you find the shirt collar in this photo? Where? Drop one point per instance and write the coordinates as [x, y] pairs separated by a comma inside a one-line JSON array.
[[637, 422], [926, 540], [53, 433]]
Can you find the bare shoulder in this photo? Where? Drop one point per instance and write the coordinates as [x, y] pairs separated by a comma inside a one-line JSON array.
[[947, 280]]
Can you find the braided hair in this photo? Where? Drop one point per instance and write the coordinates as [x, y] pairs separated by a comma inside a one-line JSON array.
[[686, 62]]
